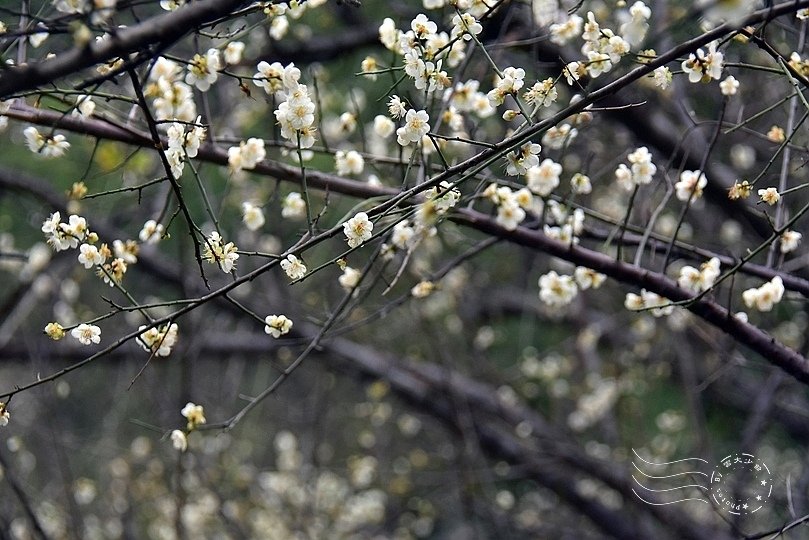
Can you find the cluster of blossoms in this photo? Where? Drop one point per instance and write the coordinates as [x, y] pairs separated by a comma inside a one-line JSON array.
[[699, 279], [542, 93], [350, 162], [509, 83], [219, 252], [438, 200], [158, 341], [425, 49], [296, 113], [417, 123], [183, 143], [467, 97], [657, 305], [99, 10], [558, 290], [511, 205], [602, 48], [173, 98], [765, 297], [277, 325], [195, 417], [569, 225], [62, 236], [640, 171]]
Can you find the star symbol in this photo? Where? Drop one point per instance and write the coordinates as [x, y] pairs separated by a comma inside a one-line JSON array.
[[744, 506], [763, 482], [758, 497]]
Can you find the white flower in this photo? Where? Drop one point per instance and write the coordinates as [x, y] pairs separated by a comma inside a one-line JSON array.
[[769, 195], [195, 415], [4, 415], [85, 106], [729, 86], [422, 26], [510, 215], [233, 52], [47, 146], [293, 206], [690, 182], [350, 278], [396, 107], [38, 38], [293, 267], [580, 184], [90, 256], [247, 155], [556, 290], [204, 70], [509, 83], [422, 289], [402, 234], [416, 126], [701, 279], [562, 33], [466, 25], [350, 162], [558, 136], [383, 126], [790, 241], [87, 333], [151, 233], [277, 325], [358, 229], [704, 67], [662, 77], [544, 178], [634, 30], [521, 160], [660, 306], [542, 93], [389, 35], [587, 278], [252, 216], [158, 341], [55, 331], [179, 440]]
